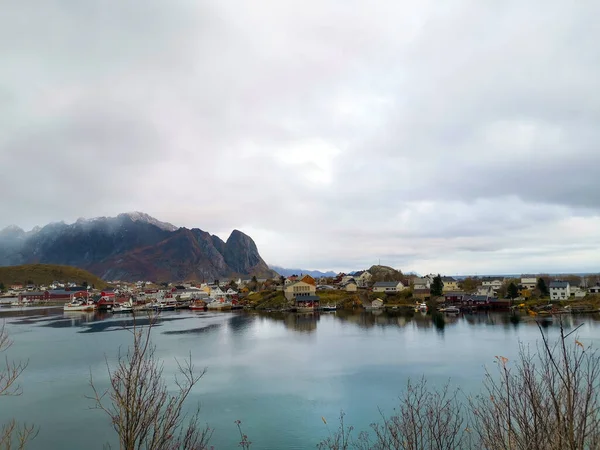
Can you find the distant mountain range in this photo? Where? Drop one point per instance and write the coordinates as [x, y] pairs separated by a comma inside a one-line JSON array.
[[134, 246], [312, 273]]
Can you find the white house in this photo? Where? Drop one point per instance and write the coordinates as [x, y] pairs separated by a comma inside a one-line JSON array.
[[494, 283], [595, 289], [488, 291], [216, 291], [422, 283], [363, 278], [389, 287], [560, 290], [529, 283]]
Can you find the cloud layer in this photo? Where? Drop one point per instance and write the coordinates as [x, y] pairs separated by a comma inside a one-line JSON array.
[[457, 138]]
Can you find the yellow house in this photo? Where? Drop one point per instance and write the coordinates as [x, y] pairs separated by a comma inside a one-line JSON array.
[[351, 287], [300, 288], [450, 284]]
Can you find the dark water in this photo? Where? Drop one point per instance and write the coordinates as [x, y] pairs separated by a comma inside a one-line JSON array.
[[277, 373]]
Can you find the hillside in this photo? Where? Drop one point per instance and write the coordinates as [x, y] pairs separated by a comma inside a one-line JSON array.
[[45, 274], [385, 273], [132, 247]]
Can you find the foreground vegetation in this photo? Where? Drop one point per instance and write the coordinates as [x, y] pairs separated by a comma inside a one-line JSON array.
[[548, 399], [45, 274]]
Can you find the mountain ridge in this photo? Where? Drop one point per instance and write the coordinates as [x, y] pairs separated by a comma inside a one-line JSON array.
[[134, 246], [313, 273]]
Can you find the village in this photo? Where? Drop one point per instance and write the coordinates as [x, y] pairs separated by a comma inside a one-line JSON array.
[[377, 288]]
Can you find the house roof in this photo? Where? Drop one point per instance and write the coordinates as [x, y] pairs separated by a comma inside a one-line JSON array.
[[476, 298], [386, 284], [32, 293], [63, 292], [454, 293], [559, 284], [448, 279]]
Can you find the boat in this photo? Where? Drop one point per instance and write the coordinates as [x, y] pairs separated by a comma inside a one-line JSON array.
[[219, 305], [329, 308], [451, 310], [421, 307], [125, 307], [198, 305], [167, 304], [21, 303], [80, 305]]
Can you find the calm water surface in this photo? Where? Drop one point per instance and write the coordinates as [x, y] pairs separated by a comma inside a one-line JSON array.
[[277, 373]]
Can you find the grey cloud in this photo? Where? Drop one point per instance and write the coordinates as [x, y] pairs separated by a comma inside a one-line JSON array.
[[435, 135]]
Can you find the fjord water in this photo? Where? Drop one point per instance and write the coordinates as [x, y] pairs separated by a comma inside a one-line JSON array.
[[277, 373]]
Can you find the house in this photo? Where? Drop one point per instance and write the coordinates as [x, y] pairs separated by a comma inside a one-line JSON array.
[[529, 283], [454, 296], [308, 279], [351, 286], [216, 292], [363, 278], [377, 303], [560, 290], [595, 289], [299, 289], [422, 294], [487, 291], [389, 287], [422, 283], [475, 300], [34, 296], [307, 301], [494, 283], [346, 278], [450, 284]]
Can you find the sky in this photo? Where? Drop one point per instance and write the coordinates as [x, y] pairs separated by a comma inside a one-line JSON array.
[[454, 137]]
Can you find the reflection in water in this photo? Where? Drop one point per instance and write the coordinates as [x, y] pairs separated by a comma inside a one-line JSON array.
[[307, 322], [100, 321], [303, 322]]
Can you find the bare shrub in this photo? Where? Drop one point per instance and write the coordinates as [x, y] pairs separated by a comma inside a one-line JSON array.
[[549, 400], [143, 413], [12, 434]]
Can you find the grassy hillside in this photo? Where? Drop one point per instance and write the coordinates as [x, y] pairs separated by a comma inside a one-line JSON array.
[[47, 273]]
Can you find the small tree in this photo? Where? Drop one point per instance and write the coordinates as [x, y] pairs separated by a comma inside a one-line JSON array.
[[512, 291], [141, 410], [12, 435], [437, 286], [2, 288], [541, 285], [469, 285]]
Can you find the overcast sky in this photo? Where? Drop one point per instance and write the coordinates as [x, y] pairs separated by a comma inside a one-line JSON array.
[[454, 137]]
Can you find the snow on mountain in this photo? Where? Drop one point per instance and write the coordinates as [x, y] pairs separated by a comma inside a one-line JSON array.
[[137, 216]]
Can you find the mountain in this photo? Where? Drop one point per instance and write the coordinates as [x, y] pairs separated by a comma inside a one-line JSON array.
[[312, 273], [134, 246], [45, 274]]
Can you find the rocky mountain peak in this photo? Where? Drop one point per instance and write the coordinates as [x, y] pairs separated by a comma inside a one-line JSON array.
[[137, 216], [134, 246]]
